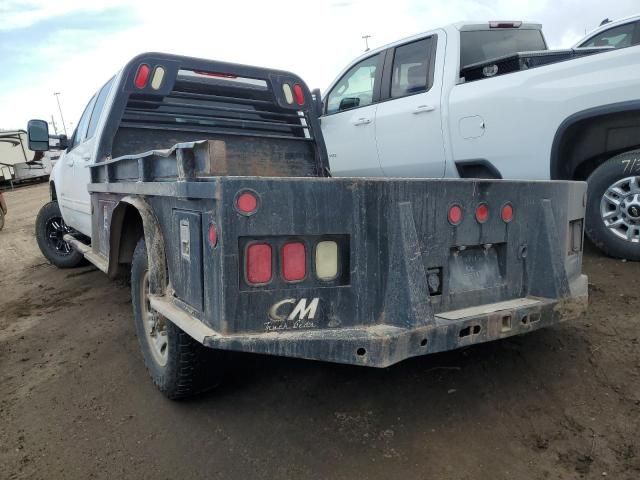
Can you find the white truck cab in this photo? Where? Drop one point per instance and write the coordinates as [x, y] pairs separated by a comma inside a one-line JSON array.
[[386, 113], [70, 174], [489, 100]]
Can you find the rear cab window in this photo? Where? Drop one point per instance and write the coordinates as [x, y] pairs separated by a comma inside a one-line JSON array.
[[482, 45], [80, 132], [98, 107], [412, 70]]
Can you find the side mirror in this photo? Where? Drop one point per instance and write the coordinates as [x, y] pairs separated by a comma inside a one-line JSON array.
[[63, 142], [349, 102], [38, 135], [317, 100]]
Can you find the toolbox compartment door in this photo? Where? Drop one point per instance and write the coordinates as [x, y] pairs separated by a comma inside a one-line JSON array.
[[187, 231]]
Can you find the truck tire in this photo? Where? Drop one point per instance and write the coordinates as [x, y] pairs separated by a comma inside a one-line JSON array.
[[613, 206], [50, 228], [179, 366]]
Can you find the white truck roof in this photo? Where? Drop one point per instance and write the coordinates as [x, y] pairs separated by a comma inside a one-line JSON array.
[[450, 28], [460, 26]]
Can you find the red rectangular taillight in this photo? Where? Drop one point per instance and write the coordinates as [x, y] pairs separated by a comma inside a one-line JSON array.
[[258, 263], [142, 76], [507, 24], [294, 261]]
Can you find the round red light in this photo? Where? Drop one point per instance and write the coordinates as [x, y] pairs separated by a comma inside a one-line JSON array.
[[455, 214], [213, 235], [247, 203], [482, 213], [507, 213]]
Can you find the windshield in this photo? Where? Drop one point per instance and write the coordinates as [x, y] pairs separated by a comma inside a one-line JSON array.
[[482, 45]]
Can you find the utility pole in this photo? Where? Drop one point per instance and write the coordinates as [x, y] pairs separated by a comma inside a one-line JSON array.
[[366, 42], [53, 122], [57, 95]]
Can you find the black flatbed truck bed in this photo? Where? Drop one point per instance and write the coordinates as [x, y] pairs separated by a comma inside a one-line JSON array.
[[252, 246]]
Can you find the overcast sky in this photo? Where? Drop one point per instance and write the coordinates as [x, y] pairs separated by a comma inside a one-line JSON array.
[[74, 46]]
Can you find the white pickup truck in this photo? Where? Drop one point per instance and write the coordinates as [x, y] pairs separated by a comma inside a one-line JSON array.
[[460, 101]]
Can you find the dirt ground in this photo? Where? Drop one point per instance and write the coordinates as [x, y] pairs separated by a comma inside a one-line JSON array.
[[76, 401]]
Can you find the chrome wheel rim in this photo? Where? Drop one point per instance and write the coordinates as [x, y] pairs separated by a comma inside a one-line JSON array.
[[620, 209], [55, 230], [155, 325]]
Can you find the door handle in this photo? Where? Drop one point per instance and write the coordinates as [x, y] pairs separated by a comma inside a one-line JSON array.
[[362, 121], [70, 162], [423, 108]]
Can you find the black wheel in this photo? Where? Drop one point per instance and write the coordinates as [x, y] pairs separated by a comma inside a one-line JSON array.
[[50, 230], [179, 366], [613, 206]]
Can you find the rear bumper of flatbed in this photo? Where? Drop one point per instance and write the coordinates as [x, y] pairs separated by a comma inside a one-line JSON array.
[[383, 345]]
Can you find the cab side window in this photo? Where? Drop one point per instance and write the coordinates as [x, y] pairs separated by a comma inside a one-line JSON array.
[[81, 130], [355, 88], [97, 109], [411, 68], [618, 37]]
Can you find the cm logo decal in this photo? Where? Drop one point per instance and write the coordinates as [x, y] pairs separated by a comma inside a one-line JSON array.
[[301, 311]]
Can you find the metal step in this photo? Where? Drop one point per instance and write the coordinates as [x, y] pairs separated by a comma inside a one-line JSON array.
[[98, 260], [488, 308]]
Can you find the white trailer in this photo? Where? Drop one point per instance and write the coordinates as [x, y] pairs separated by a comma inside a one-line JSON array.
[[19, 164]]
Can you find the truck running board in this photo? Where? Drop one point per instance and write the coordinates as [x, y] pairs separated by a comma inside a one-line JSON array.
[[86, 250]]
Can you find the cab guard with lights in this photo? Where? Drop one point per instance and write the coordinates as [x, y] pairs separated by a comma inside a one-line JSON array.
[[253, 247]]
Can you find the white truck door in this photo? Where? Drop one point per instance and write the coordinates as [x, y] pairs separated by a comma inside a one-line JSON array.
[[408, 119], [76, 172], [73, 197], [348, 123]]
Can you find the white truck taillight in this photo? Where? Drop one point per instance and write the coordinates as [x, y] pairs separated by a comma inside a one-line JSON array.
[[327, 260]]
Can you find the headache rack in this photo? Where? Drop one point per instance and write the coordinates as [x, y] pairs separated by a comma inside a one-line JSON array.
[[223, 105], [166, 99]]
